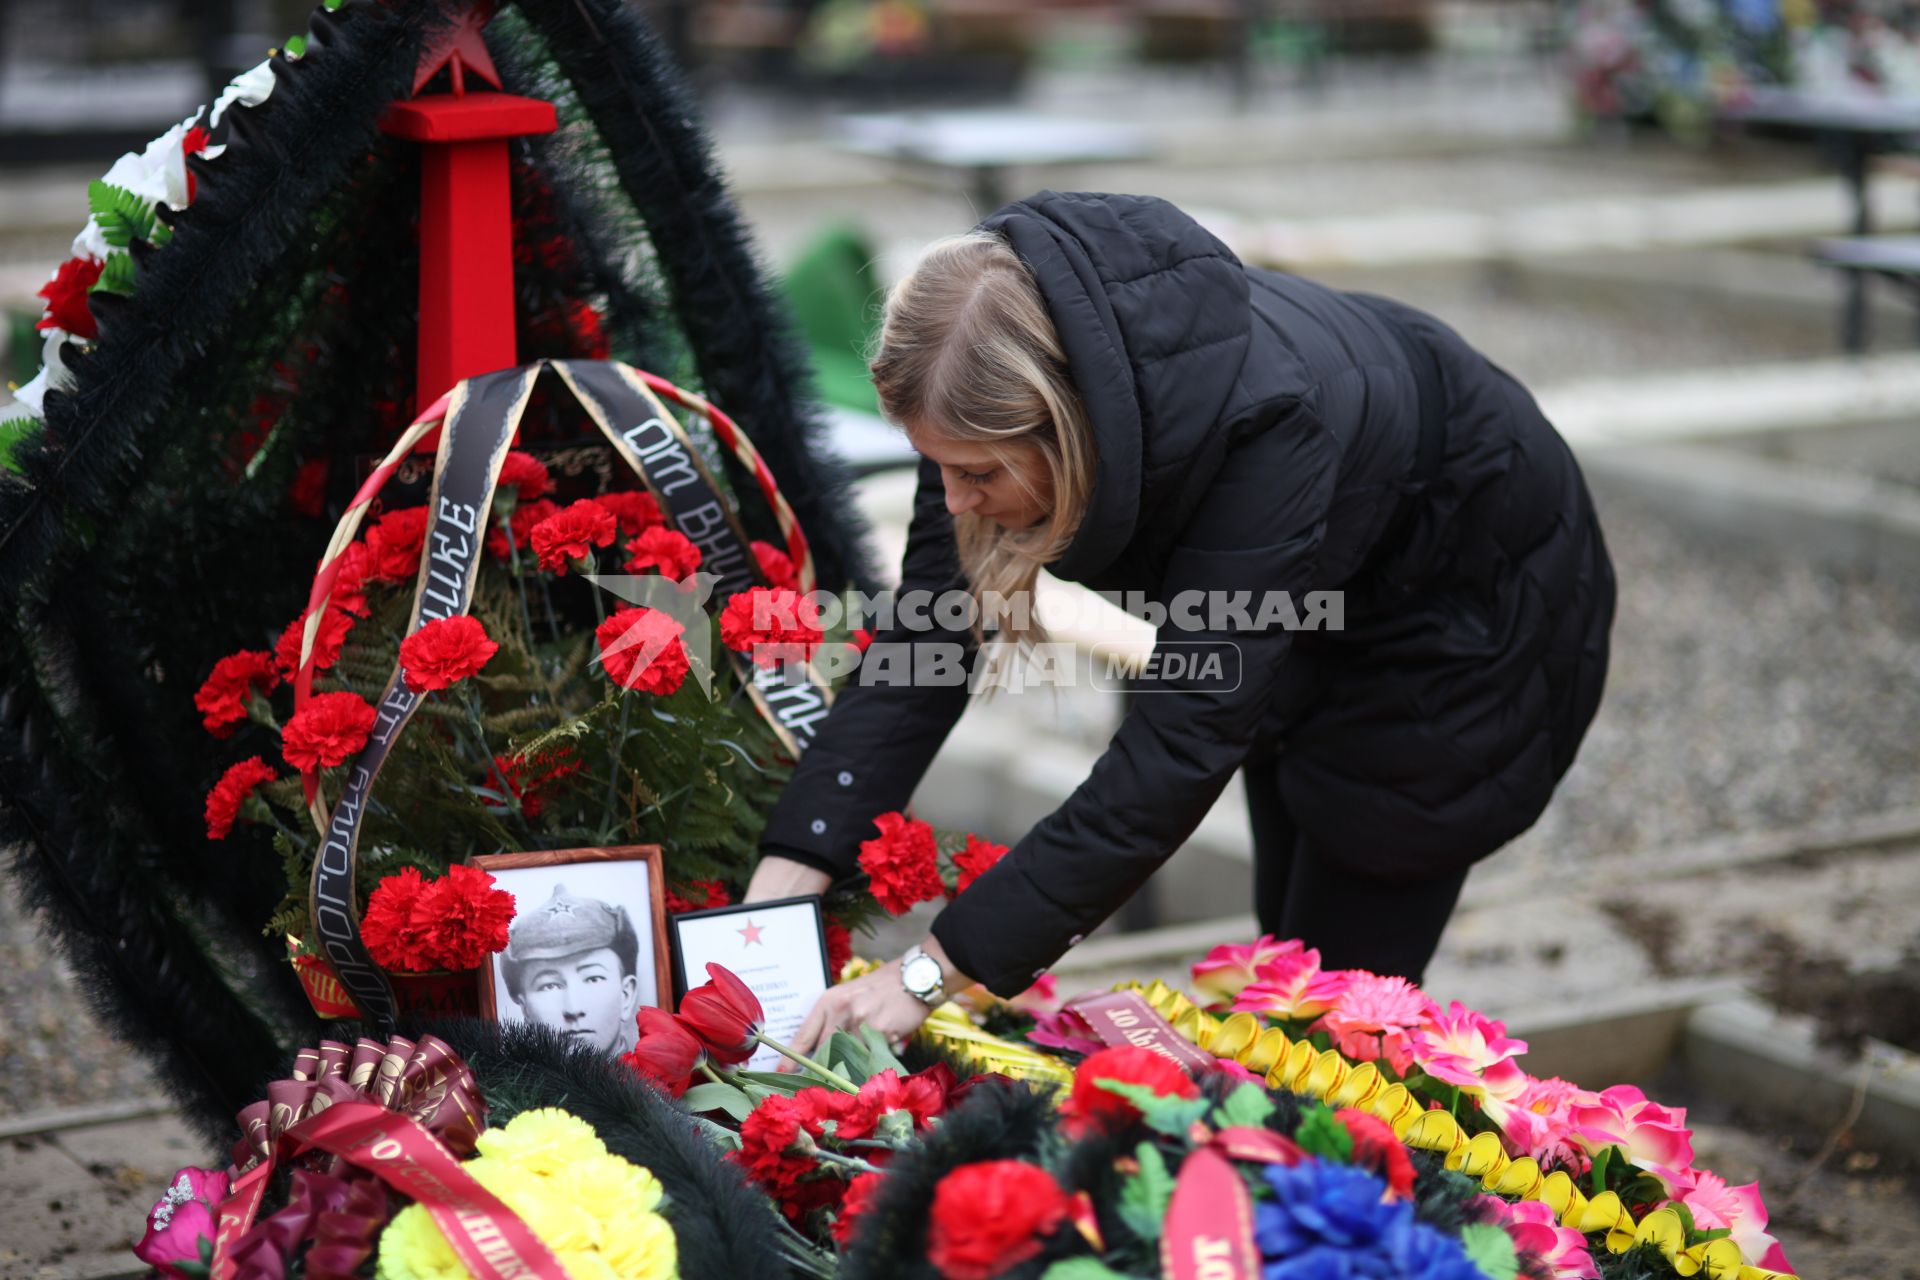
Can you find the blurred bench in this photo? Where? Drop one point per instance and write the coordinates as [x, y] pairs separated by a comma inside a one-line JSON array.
[[1895, 258]]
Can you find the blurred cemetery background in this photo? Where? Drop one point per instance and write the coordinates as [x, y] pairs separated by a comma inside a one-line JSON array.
[[1692, 227]]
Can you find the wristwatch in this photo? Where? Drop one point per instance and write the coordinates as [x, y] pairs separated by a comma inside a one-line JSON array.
[[923, 977]]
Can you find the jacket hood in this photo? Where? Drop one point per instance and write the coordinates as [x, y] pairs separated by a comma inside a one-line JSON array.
[[1154, 314]]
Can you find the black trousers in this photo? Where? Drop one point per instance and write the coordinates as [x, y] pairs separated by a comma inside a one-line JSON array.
[[1391, 927]]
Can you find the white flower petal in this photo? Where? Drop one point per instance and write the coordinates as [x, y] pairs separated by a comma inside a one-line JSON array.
[[250, 88]]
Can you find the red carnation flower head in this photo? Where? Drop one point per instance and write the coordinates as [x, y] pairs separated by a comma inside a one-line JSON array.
[[335, 625], [640, 648], [395, 937], [524, 518], [1375, 1147], [525, 476], [776, 566], [973, 861], [903, 863], [228, 794], [329, 730], [771, 625], [700, 895], [350, 580], [394, 544], [66, 296], [775, 1159], [859, 1199], [725, 1015], [532, 780], [662, 551], [992, 1216], [839, 948], [1091, 1106], [667, 1052], [636, 511], [222, 698], [571, 535], [464, 917], [444, 652]]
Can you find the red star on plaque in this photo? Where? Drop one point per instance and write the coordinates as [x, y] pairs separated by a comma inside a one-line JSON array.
[[751, 933]]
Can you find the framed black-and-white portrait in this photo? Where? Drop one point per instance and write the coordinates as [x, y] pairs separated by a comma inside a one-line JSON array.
[[587, 948], [778, 949]]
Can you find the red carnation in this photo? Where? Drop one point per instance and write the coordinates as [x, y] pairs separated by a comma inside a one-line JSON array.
[[776, 566], [444, 652], [222, 699], [328, 731], [768, 1137], [525, 516], [973, 861], [700, 896], [526, 475], [464, 916], [1375, 1147], [992, 1216], [725, 1015], [395, 937], [859, 1198], [670, 554], [572, 534], [394, 544], [228, 794], [903, 863], [66, 296], [1091, 1106], [308, 492], [327, 642], [640, 649], [922, 1095], [350, 580], [635, 511], [839, 948], [531, 780], [667, 1052], [772, 625]]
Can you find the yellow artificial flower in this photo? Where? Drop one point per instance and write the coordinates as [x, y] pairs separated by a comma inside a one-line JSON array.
[[585, 1264], [544, 1141], [540, 1202], [412, 1248], [641, 1247], [610, 1188]]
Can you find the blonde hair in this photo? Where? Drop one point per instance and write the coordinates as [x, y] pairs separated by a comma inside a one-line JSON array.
[[967, 352]]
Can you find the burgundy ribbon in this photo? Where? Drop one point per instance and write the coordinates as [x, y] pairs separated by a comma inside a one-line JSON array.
[[1209, 1228], [1124, 1018]]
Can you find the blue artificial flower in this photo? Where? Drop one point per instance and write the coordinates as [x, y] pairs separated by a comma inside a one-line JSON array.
[[1331, 1221]]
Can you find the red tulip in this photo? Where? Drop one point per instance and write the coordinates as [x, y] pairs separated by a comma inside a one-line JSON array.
[[667, 1051], [725, 1015]]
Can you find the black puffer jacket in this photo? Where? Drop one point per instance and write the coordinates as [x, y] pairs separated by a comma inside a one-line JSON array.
[[1258, 432]]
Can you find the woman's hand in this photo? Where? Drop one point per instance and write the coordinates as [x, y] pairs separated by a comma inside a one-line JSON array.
[[876, 1000], [778, 877]]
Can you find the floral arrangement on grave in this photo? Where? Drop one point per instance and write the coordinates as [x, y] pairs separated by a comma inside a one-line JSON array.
[[554, 715]]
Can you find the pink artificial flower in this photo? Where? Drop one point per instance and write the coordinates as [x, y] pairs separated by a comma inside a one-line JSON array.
[[1292, 986], [1227, 969], [1534, 1230], [1375, 1017], [1538, 1121], [1042, 996], [179, 1219], [1653, 1137], [1470, 1050], [1063, 1030], [1740, 1210]]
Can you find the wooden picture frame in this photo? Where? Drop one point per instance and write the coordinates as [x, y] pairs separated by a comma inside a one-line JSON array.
[[649, 921]]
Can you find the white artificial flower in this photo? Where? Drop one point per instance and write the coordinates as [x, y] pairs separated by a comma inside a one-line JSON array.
[[53, 375], [250, 88], [90, 243], [31, 396]]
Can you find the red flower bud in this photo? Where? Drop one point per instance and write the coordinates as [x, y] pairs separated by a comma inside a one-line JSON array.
[[724, 1014], [667, 1051]]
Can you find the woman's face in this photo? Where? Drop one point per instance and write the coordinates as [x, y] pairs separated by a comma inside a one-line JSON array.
[[979, 482]]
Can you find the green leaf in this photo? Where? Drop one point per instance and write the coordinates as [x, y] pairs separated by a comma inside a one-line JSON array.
[[116, 274], [1491, 1250], [721, 1136], [1144, 1196], [1601, 1159], [1246, 1107], [881, 1053], [1707, 1237], [123, 216], [1081, 1268], [295, 46], [718, 1097], [785, 1082], [1163, 1113], [1322, 1134], [852, 1055]]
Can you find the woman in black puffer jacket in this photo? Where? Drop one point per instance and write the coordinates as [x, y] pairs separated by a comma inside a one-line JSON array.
[[1099, 387]]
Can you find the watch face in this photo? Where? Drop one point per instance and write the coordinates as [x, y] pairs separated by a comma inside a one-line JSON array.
[[922, 974]]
